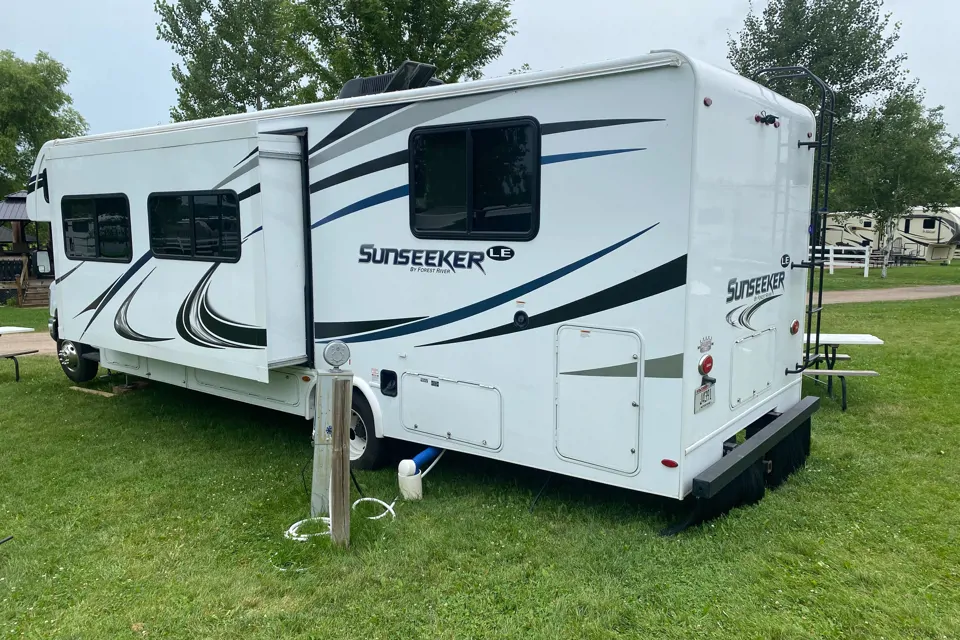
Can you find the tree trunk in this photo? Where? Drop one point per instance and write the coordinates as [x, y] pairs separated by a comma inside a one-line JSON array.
[[889, 248]]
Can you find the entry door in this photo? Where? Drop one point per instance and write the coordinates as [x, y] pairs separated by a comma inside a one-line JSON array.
[[281, 204], [598, 397]]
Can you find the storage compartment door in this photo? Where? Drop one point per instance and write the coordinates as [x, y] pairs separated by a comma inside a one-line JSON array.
[[598, 397], [464, 412], [753, 366], [281, 204]]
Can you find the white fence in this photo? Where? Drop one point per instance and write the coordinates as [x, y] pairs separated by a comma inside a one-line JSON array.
[[843, 256]]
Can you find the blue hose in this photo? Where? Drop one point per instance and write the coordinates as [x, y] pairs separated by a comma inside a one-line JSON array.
[[424, 458]]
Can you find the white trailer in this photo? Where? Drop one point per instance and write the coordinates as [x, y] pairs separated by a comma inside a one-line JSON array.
[[933, 236], [585, 271]]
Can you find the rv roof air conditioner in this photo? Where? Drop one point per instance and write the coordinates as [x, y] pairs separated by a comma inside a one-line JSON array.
[[410, 75]]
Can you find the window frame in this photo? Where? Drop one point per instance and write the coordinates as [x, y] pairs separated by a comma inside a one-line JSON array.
[[466, 128], [96, 227], [193, 228]]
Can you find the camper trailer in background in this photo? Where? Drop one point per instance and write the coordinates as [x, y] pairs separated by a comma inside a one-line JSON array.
[[933, 236]]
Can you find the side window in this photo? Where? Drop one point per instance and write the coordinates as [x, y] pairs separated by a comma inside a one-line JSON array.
[[97, 228], [929, 223], [867, 224], [476, 181], [195, 225]]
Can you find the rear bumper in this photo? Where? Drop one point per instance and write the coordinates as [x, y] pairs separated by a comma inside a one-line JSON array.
[[778, 426]]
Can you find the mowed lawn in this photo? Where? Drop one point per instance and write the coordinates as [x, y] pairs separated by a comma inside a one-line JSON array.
[[161, 514], [909, 276], [16, 317]]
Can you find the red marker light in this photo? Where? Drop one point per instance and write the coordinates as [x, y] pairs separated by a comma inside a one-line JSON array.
[[706, 365], [707, 102], [795, 328], [757, 118], [671, 464]]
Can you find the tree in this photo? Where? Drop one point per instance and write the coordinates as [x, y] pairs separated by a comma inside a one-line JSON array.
[[904, 158], [34, 108], [846, 43], [237, 55], [254, 54], [345, 39]]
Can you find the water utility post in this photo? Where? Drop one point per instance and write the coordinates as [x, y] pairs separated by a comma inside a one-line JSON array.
[[330, 491]]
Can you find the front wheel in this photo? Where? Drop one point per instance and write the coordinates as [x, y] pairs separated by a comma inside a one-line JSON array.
[[367, 451], [77, 368]]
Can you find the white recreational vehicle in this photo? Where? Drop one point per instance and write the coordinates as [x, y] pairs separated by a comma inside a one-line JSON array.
[[586, 271], [933, 236]]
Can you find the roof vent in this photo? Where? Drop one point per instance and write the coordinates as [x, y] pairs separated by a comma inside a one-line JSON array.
[[410, 75]]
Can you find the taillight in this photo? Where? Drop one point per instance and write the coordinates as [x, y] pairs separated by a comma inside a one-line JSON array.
[[706, 365], [795, 328]]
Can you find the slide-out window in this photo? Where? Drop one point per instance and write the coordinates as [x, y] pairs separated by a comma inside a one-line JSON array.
[[97, 228], [195, 225], [477, 181]]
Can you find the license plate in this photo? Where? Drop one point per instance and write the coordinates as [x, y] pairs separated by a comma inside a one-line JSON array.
[[703, 398]]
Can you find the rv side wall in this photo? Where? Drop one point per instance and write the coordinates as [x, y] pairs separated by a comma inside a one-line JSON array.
[[749, 217], [562, 352]]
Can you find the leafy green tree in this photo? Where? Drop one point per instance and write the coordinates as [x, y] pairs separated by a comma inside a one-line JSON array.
[[253, 54], [847, 43], [34, 108], [904, 158], [238, 55], [345, 39]]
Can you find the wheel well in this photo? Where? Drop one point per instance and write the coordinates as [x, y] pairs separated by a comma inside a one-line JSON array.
[[361, 386]]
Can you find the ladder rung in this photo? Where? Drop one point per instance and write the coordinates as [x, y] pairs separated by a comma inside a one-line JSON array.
[[810, 312]]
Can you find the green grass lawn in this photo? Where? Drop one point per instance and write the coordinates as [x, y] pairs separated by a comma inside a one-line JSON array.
[[16, 317], [161, 514], [921, 274]]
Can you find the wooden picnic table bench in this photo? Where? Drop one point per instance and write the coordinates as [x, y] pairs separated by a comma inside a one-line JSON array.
[[830, 343]]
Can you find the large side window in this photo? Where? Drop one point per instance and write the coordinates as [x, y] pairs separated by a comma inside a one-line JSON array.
[[929, 223], [195, 225], [476, 181], [97, 228]]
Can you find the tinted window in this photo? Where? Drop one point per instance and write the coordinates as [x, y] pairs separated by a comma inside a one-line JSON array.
[[503, 179], [96, 228], [867, 224], [203, 226], [440, 182], [929, 223], [476, 181]]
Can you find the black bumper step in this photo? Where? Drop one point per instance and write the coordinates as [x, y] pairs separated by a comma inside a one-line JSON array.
[[776, 446]]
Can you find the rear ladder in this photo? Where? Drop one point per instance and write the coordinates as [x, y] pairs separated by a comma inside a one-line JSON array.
[[822, 144]]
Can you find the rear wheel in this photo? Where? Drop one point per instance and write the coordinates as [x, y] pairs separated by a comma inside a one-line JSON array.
[[367, 451], [74, 365]]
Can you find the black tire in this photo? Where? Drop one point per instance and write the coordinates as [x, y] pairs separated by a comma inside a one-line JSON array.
[[76, 367], [374, 451]]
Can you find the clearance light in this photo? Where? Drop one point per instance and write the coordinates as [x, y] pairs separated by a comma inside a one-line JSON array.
[[795, 328], [671, 464]]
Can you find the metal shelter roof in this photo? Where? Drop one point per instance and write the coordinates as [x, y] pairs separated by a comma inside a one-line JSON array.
[[14, 207]]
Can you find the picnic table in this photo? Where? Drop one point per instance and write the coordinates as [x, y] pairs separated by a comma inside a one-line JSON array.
[[12, 355], [830, 342]]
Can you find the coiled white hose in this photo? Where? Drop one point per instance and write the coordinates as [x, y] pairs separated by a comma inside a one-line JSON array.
[[293, 532]]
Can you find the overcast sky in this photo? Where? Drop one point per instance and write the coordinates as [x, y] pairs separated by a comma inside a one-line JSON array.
[[120, 73]]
